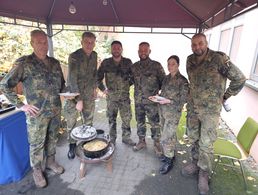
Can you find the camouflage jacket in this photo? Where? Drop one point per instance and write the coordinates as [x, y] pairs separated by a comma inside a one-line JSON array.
[[82, 74], [176, 90], [147, 77], [208, 81], [118, 78], [41, 83]]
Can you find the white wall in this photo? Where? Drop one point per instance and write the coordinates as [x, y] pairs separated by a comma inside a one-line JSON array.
[[248, 42], [162, 46]]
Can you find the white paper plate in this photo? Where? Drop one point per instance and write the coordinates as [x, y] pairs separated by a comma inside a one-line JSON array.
[[157, 98], [68, 94]]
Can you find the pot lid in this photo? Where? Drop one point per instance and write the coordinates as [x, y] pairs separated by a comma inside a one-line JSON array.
[[84, 132]]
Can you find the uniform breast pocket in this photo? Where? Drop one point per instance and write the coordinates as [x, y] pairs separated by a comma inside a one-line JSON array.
[[212, 70], [38, 81], [171, 88], [111, 76], [56, 81], [147, 74], [150, 79]]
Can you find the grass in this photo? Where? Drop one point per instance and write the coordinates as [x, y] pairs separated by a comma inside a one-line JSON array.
[[181, 129], [226, 180]]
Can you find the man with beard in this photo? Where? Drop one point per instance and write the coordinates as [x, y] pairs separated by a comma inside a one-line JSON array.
[[208, 72], [118, 79], [148, 76]]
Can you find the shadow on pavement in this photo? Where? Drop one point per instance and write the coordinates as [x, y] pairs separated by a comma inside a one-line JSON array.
[[27, 187], [171, 183]]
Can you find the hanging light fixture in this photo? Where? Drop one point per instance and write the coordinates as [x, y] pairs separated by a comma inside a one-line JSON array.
[[72, 8], [105, 2]]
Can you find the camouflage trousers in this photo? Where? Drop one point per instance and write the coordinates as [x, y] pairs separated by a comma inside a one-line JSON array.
[[152, 113], [169, 121], [202, 133], [124, 108], [43, 135], [71, 115]]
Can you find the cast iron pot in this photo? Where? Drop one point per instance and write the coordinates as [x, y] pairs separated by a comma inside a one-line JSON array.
[[97, 153], [100, 133]]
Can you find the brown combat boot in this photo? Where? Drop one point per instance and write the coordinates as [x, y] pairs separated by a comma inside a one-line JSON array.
[[53, 165], [158, 148], [203, 183], [190, 169], [39, 178], [140, 145]]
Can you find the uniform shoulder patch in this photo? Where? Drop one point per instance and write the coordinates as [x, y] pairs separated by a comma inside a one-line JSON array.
[[224, 67], [226, 59]]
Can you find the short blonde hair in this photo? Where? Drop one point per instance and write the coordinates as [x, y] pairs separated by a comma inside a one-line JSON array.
[[36, 32], [88, 34]]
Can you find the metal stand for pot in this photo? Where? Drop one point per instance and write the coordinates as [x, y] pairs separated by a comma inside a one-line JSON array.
[[107, 159]]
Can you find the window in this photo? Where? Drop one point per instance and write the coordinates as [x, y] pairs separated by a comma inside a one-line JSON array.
[[224, 40], [235, 42], [253, 82], [256, 66], [254, 72]]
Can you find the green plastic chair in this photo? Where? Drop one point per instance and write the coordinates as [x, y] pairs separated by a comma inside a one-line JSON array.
[[240, 150]]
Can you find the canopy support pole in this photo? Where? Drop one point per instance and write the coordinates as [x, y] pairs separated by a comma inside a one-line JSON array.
[[50, 41]]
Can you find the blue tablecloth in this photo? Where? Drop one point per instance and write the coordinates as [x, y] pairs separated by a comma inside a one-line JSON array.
[[14, 147]]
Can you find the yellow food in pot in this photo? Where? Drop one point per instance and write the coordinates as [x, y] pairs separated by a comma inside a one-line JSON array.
[[95, 145]]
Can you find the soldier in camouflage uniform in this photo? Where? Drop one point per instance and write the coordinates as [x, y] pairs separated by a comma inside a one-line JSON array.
[[148, 76], [42, 81], [208, 72], [82, 74], [118, 78], [175, 90]]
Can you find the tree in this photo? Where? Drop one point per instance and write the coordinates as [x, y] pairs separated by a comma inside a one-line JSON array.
[[15, 42]]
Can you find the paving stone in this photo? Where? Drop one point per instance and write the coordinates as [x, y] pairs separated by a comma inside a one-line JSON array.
[[134, 173]]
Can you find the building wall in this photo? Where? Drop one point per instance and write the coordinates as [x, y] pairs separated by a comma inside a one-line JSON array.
[[162, 46]]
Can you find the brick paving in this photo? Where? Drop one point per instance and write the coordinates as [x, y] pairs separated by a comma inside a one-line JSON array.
[[134, 173]]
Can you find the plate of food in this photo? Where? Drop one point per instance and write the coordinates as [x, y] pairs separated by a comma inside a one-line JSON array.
[[68, 94], [5, 106], [157, 98]]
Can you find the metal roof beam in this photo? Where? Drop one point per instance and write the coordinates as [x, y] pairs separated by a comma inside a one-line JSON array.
[[201, 24], [50, 11], [114, 11]]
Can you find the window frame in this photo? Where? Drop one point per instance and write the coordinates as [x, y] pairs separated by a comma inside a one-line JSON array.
[[222, 46], [233, 51], [254, 76]]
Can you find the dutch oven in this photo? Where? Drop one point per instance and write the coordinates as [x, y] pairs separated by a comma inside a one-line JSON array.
[[95, 148]]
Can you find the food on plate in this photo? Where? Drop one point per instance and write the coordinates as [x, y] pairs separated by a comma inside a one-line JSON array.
[[95, 145], [4, 105]]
